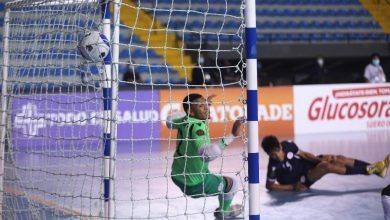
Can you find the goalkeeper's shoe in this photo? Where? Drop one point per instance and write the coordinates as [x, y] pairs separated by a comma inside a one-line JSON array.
[[234, 211], [380, 167]]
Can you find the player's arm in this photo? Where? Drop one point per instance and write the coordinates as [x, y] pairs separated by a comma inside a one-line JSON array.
[[309, 156], [274, 186], [214, 150], [209, 151], [271, 183], [237, 129], [174, 119]]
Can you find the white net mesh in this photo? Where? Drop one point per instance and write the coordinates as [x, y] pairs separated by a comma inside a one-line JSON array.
[[54, 146], [182, 47], [53, 165]]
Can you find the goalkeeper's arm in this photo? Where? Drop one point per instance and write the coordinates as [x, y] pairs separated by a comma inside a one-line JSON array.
[[214, 150], [174, 117]]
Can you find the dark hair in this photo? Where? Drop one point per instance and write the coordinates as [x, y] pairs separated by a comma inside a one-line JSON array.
[[270, 143], [374, 55], [189, 99]]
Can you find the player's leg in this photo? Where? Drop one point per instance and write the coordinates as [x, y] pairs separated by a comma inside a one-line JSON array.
[[386, 202], [324, 167], [226, 198], [380, 167], [344, 161], [226, 188]]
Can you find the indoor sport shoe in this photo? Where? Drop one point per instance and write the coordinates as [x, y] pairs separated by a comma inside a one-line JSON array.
[[380, 167], [386, 167], [235, 210]]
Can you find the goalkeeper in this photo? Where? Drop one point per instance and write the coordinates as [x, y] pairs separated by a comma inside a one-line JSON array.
[[194, 151]]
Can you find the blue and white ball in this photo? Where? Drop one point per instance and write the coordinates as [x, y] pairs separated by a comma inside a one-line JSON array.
[[94, 46]]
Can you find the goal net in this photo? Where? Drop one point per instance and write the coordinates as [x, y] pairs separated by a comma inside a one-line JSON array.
[[59, 120]]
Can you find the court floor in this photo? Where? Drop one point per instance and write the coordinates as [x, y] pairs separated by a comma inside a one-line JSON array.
[[143, 188], [334, 196]]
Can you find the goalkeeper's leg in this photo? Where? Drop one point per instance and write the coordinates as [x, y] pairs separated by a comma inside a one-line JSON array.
[[225, 198], [224, 187], [226, 210]]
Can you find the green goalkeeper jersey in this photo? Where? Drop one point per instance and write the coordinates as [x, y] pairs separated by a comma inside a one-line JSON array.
[[188, 166]]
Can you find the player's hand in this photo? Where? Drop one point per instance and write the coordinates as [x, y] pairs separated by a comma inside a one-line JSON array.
[[238, 126], [300, 187]]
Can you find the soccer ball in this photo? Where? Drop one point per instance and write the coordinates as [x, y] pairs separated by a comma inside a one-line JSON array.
[[94, 46]]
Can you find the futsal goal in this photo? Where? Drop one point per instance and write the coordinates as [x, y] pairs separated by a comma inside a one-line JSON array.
[[88, 139]]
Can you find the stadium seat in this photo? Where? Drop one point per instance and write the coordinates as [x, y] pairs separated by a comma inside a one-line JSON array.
[[210, 37], [123, 68], [234, 12], [282, 22], [152, 53], [195, 25], [292, 25], [263, 37], [225, 37], [232, 24], [159, 13], [123, 38], [177, 25], [178, 81], [209, 24], [142, 69], [378, 37]]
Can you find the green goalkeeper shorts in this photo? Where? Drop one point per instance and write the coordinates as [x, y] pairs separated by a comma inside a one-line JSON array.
[[212, 185]]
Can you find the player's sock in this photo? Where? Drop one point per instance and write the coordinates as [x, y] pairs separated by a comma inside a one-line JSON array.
[[225, 204], [360, 163], [356, 170], [359, 167]]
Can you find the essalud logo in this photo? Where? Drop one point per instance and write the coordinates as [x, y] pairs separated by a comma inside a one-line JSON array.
[[29, 120]]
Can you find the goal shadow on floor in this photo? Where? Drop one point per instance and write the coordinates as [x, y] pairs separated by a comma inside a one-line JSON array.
[[280, 198]]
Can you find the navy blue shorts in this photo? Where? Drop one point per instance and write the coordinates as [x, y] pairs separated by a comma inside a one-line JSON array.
[[304, 179]]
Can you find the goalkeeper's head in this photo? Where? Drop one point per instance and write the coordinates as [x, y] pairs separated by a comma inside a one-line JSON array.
[[196, 106]]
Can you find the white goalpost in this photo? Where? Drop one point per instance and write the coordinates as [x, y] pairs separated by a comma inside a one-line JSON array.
[[87, 138]]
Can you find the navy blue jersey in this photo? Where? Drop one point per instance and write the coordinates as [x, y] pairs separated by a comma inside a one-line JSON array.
[[292, 169]]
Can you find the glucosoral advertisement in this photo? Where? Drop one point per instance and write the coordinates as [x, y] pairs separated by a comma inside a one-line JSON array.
[[341, 108]]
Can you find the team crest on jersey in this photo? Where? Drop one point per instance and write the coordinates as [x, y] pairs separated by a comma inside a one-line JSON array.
[[200, 132], [287, 165]]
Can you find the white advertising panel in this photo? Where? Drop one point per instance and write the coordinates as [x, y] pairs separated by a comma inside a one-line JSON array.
[[343, 107]]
